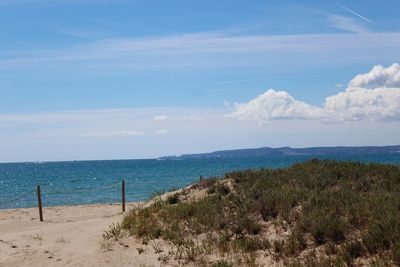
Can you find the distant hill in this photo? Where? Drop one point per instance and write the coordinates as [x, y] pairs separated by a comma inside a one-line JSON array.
[[287, 151]]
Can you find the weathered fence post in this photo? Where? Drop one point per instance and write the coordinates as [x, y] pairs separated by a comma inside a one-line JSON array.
[[39, 203], [123, 195]]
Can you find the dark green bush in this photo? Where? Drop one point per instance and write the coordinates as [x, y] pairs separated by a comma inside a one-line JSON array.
[[173, 199]]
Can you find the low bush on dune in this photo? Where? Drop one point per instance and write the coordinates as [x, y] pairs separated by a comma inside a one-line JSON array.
[[317, 213]]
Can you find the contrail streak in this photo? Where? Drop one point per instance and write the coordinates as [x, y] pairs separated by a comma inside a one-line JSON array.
[[352, 12]]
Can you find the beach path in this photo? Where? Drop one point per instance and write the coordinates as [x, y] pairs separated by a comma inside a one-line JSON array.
[[69, 236]]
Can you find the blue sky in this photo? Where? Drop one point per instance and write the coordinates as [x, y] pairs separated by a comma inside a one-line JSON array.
[[189, 61]]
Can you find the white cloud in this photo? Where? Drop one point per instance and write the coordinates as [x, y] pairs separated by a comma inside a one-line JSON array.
[[160, 118], [354, 104], [273, 105], [360, 104], [378, 77]]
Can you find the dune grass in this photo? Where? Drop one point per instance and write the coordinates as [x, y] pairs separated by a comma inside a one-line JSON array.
[[330, 213]]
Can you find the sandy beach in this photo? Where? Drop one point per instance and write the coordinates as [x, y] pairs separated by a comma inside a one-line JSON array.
[[69, 236]]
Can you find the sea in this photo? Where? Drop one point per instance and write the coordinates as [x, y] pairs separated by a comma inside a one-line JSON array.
[[90, 182]]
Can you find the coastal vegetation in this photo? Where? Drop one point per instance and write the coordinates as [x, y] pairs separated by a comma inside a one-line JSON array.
[[316, 213]]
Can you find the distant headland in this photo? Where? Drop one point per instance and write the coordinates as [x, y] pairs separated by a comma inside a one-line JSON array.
[[288, 151]]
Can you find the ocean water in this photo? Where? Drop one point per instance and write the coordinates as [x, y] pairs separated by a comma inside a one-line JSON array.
[[88, 182]]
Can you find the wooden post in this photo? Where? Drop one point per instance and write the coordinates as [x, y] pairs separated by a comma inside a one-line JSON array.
[[123, 195], [39, 203]]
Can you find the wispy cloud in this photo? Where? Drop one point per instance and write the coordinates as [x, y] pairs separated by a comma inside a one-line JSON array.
[[104, 122], [84, 34], [120, 133], [353, 12], [193, 118], [213, 49], [347, 24], [160, 118]]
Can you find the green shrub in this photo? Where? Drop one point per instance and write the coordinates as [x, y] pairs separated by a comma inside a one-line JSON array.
[[324, 228]]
